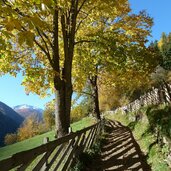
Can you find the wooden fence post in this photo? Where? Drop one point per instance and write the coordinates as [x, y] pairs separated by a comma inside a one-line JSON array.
[[70, 130], [45, 140]]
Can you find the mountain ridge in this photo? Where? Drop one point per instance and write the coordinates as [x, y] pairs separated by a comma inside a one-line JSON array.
[[25, 111], [10, 121], [12, 118]]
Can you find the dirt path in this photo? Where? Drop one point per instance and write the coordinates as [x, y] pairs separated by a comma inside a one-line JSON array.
[[120, 151]]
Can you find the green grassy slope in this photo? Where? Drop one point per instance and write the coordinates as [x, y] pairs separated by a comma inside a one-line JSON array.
[[9, 150]]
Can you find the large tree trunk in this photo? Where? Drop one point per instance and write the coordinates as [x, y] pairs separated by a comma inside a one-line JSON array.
[[63, 94], [95, 96], [60, 116], [63, 75]]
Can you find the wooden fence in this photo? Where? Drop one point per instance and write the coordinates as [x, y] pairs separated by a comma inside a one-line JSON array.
[[59, 154], [155, 96]]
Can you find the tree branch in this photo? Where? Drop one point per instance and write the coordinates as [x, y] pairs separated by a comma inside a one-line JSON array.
[[50, 43], [86, 93], [46, 53], [80, 23], [65, 35], [81, 6], [16, 9], [87, 14], [84, 41], [42, 48], [55, 42], [44, 42]]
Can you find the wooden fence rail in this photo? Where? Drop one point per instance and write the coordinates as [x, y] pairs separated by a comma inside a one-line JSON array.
[[59, 154], [156, 96]]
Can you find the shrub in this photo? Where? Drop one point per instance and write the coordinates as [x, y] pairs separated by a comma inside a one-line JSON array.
[[160, 119], [85, 159], [10, 139], [29, 128], [77, 113], [49, 118]]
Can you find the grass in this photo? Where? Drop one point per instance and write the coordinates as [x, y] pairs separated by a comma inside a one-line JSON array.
[[9, 150], [155, 156], [119, 116], [156, 159]]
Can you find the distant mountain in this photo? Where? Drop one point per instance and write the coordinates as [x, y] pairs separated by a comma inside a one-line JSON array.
[[10, 121], [27, 110]]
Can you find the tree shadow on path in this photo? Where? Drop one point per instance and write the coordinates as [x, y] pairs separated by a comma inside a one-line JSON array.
[[120, 151]]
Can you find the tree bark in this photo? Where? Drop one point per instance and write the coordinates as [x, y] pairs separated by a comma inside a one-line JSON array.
[[60, 115], [63, 94], [95, 96], [63, 74]]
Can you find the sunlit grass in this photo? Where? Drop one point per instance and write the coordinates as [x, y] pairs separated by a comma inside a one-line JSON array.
[[85, 122], [9, 150], [156, 159], [119, 116]]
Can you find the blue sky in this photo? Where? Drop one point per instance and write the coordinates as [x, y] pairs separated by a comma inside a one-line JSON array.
[[13, 94], [11, 91], [159, 10]]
